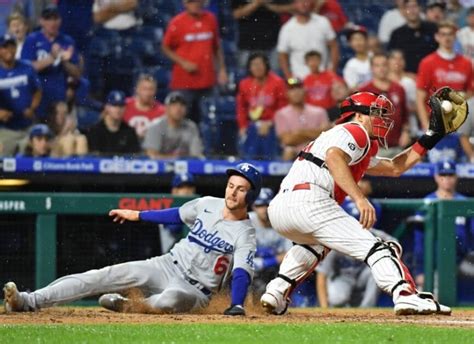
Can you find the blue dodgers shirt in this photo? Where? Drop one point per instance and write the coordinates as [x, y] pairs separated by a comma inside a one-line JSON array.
[[53, 78], [17, 86]]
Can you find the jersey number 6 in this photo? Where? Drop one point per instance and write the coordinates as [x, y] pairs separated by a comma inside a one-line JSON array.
[[221, 266]]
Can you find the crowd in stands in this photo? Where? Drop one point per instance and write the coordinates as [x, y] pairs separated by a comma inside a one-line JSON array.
[[193, 78]]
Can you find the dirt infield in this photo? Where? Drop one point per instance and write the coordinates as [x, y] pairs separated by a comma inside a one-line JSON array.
[[213, 314]]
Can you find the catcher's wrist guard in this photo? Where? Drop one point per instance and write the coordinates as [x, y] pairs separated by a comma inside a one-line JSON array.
[[429, 139]]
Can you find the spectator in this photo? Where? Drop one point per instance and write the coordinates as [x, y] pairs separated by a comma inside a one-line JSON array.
[[466, 132], [115, 14], [112, 136], [68, 141], [143, 108], [297, 37], [192, 42], [399, 136], [260, 95], [173, 135], [339, 92], [391, 20], [7, 7], [415, 39], [271, 247], [20, 95], [446, 183], [258, 22], [397, 73], [182, 185], [18, 28], [298, 123], [39, 144], [465, 35], [357, 69], [53, 56], [319, 84], [332, 10], [435, 11], [442, 68]]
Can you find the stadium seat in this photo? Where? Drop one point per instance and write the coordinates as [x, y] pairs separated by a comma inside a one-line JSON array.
[[218, 126]]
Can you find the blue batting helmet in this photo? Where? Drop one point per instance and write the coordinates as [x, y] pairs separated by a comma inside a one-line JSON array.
[[264, 197], [249, 172]]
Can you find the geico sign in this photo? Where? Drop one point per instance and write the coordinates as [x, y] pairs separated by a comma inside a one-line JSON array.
[[144, 203], [128, 166]]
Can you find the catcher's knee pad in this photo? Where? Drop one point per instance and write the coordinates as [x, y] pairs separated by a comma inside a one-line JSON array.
[[299, 262], [384, 258]]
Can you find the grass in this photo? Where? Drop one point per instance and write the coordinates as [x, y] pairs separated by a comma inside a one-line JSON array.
[[234, 333]]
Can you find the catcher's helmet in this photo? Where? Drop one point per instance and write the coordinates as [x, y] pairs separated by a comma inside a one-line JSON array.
[[379, 107], [249, 172]]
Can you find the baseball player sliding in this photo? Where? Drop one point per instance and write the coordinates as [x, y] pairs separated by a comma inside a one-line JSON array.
[[221, 242], [307, 211]]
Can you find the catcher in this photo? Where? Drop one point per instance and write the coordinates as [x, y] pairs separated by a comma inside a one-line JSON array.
[[307, 211]]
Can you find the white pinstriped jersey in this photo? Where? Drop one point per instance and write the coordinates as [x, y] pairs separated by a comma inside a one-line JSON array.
[[353, 139]]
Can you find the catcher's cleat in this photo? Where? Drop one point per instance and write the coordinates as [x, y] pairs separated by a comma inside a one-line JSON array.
[[113, 302], [419, 304], [13, 301], [273, 304]]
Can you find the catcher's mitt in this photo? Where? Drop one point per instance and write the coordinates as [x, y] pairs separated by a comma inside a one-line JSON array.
[[443, 122]]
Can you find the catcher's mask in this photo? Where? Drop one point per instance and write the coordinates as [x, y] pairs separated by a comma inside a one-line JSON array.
[[378, 107]]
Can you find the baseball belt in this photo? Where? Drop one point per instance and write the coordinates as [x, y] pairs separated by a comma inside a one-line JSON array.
[[193, 282]]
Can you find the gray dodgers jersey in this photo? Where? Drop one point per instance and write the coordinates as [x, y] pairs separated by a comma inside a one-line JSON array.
[[214, 246]]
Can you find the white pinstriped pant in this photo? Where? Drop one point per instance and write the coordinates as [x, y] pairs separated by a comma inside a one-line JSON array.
[[313, 218]]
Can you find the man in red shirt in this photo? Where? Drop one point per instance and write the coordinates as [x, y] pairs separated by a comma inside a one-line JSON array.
[[332, 10], [260, 95], [442, 68], [143, 108], [192, 42], [398, 137], [318, 85]]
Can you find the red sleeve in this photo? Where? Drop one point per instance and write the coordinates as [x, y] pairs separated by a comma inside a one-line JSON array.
[[170, 39], [358, 134], [423, 76], [242, 106]]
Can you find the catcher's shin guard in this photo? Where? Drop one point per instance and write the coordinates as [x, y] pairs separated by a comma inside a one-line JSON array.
[[299, 262], [389, 272]]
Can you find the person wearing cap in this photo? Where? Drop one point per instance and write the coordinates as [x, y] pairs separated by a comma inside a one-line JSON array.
[[191, 41], [435, 11], [319, 84], [271, 247], [446, 183], [259, 96], [39, 144], [357, 69], [399, 136], [182, 185], [173, 135], [219, 247], [298, 122], [54, 56], [20, 95], [112, 135]]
